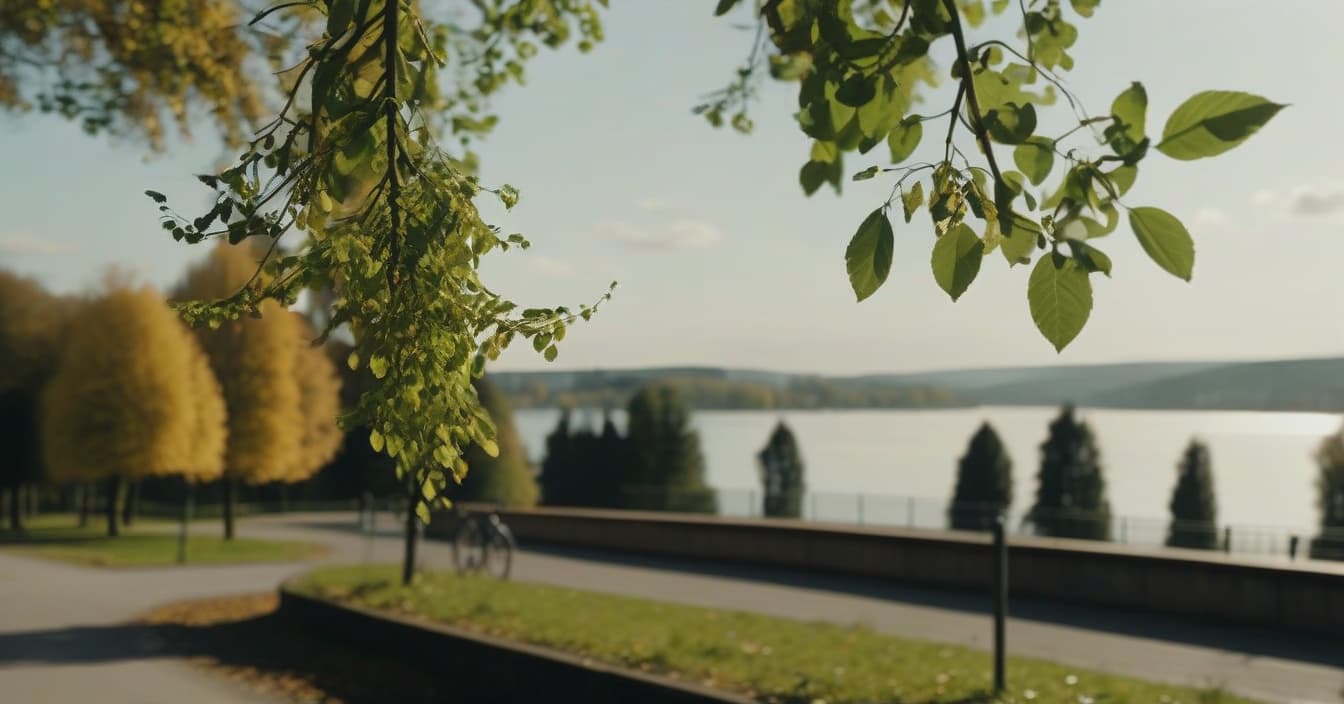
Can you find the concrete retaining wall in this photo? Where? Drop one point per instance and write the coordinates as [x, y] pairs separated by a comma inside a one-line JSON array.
[[485, 669], [1307, 596]]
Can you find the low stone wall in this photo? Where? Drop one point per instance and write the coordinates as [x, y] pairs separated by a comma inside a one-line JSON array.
[[485, 669], [1306, 596]]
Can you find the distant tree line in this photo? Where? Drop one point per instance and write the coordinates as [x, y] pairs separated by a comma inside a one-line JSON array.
[[707, 393], [109, 396], [656, 465], [1071, 490]]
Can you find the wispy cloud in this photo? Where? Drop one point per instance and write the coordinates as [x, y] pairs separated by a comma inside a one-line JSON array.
[[551, 266], [673, 234], [1318, 200], [1264, 197], [1208, 218], [22, 243]]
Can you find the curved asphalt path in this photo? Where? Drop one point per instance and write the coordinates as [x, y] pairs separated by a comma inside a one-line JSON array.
[[62, 638]]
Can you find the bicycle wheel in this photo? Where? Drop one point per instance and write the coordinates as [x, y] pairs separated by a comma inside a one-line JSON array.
[[499, 554], [469, 545]]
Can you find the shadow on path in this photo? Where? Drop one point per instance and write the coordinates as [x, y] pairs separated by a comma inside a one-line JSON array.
[[1234, 638], [253, 645]]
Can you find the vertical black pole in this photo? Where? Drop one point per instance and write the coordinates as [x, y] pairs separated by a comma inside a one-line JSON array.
[[412, 532], [1292, 547], [1000, 603]]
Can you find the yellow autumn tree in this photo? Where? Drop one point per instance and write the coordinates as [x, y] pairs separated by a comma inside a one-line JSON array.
[[254, 360], [319, 404], [129, 397], [30, 327]]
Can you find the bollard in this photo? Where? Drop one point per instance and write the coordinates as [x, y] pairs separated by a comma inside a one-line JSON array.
[[1227, 539], [1000, 589], [1292, 547]]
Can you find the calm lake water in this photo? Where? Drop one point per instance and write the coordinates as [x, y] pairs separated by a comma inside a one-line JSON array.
[[1263, 462]]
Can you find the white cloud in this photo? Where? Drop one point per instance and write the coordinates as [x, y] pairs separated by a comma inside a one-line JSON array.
[[672, 234], [1316, 200], [552, 266], [1208, 219], [22, 243], [1264, 197]]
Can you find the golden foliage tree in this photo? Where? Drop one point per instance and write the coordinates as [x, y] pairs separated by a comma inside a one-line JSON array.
[[30, 327], [130, 397], [254, 360], [135, 68], [319, 404]]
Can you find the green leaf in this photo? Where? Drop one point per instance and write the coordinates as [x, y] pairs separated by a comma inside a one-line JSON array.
[[376, 440], [856, 91], [1130, 109], [156, 196], [1085, 7], [913, 47], [422, 512], [904, 139], [1123, 178], [490, 447], [866, 174], [1019, 240], [353, 361], [1060, 297], [724, 6], [378, 365], [912, 199], [1214, 121], [813, 175], [1165, 239], [550, 353], [1011, 123], [1035, 158], [956, 260], [868, 257], [1090, 258]]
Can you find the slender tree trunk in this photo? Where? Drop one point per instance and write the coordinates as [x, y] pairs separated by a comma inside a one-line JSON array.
[[86, 496], [412, 533], [230, 502], [188, 499], [114, 489], [132, 504], [15, 510]]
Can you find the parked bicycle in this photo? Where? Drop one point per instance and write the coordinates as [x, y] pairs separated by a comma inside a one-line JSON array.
[[482, 543]]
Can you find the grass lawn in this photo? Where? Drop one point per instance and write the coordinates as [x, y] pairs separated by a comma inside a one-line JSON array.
[[770, 659], [147, 543]]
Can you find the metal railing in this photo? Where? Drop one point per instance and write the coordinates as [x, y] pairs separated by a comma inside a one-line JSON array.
[[934, 514]]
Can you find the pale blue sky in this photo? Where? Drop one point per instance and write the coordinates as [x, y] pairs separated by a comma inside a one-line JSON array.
[[723, 261]]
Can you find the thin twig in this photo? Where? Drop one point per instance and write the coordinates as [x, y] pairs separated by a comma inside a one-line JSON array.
[[952, 124], [390, 114], [968, 83]]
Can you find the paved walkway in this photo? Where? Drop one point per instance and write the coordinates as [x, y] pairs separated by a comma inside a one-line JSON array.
[[60, 638]]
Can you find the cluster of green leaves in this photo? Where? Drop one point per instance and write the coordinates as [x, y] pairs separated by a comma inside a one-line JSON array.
[[859, 66], [391, 222]]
